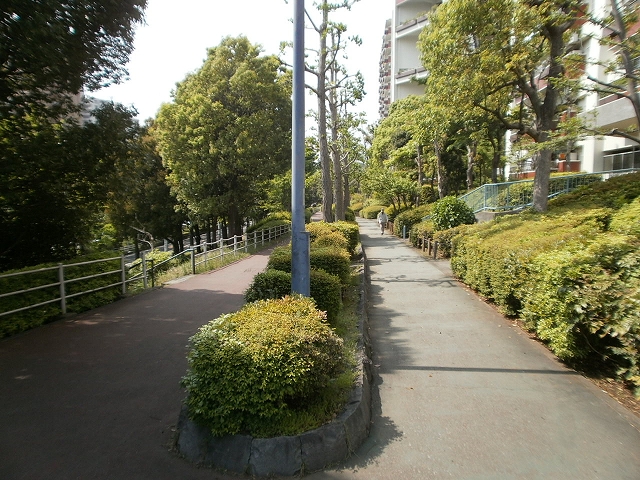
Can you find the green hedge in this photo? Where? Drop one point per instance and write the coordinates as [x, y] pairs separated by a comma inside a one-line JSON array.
[[349, 230], [371, 212], [450, 212], [334, 261], [272, 220], [572, 275], [409, 218], [325, 289], [250, 369]]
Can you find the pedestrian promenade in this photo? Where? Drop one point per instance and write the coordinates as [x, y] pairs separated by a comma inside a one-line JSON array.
[[459, 392]]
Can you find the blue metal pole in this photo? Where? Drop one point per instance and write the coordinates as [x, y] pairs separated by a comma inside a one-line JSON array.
[[300, 282]]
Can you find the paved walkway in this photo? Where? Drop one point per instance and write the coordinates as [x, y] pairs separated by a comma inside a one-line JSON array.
[[458, 391]]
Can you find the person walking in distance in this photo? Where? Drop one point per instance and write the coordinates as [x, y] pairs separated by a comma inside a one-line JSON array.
[[382, 221]]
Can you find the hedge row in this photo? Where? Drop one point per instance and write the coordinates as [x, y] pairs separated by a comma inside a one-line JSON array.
[[572, 275]]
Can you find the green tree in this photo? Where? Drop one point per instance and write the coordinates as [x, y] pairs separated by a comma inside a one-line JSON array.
[[227, 131], [55, 180], [50, 50], [508, 48], [622, 67], [142, 201]]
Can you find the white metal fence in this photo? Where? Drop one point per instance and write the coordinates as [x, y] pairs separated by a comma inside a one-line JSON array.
[[120, 277]]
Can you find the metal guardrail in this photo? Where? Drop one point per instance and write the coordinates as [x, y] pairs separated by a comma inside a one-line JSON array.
[[200, 254], [497, 197]]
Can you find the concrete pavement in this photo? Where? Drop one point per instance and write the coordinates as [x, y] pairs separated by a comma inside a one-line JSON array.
[[458, 391], [461, 393]]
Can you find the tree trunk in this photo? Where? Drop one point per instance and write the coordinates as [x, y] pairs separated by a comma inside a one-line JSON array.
[[471, 158], [542, 161], [442, 187], [327, 196], [235, 221], [338, 191], [420, 174]]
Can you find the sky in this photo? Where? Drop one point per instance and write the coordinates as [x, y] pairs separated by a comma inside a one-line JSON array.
[[176, 35]]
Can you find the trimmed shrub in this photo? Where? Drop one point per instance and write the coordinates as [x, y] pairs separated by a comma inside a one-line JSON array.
[[348, 230], [371, 212], [250, 369], [269, 284], [325, 289], [356, 207], [445, 239], [450, 212], [574, 300], [335, 262], [351, 232], [614, 193], [272, 220], [627, 219], [393, 212], [409, 218], [331, 239], [424, 229], [349, 215]]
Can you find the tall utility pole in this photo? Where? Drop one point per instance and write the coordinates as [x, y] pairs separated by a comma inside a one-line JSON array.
[[300, 282]]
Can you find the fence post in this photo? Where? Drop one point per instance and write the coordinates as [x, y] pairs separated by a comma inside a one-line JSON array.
[[63, 300], [235, 245], [124, 275], [193, 261], [221, 247], [404, 232], [153, 283], [435, 250], [246, 242], [263, 238], [144, 271]]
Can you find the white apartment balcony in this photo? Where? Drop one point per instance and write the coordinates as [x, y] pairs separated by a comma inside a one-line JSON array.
[[614, 112]]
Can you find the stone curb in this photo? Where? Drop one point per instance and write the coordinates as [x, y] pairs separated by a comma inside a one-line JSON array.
[[288, 456]]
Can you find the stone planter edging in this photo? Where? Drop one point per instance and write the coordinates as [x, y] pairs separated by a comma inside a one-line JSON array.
[[296, 455]]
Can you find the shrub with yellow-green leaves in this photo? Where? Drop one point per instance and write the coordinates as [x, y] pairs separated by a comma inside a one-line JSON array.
[[249, 370], [332, 240], [572, 274], [372, 211], [348, 230], [334, 261]]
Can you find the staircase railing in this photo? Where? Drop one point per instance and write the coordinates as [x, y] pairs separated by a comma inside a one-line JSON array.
[[498, 197]]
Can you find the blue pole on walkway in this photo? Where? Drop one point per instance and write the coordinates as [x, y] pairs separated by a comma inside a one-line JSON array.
[[300, 282]]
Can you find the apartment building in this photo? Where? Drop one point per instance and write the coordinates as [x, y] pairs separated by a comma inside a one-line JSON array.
[[604, 112], [401, 70], [400, 65]]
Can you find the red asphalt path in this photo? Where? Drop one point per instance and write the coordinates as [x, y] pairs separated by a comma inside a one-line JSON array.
[[97, 396]]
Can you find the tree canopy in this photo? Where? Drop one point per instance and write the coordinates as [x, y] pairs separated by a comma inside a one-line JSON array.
[[50, 49], [227, 131]]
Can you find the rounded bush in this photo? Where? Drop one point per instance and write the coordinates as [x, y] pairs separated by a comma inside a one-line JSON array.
[[331, 260], [325, 289], [627, 219], [409, 218], [450, 212], [331, 239], [269, 284], [250, 369]]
